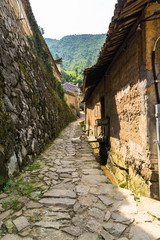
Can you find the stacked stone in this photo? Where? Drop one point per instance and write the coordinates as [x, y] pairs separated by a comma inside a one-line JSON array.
[[30, 114]]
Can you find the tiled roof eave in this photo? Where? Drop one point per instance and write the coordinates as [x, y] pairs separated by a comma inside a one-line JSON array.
[[126, 14]]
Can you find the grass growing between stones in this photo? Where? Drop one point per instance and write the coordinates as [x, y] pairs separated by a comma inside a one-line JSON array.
[[13, 204], [8, 185], [25, 188], [46, 148], [60, 135], [33, 166]]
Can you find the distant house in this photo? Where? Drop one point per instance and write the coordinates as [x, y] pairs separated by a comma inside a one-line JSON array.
[[70, 87], [72, 93], [121, 93]]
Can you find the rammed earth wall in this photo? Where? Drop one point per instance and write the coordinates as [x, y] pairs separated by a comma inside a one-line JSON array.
[[129, 102], [32, 109]]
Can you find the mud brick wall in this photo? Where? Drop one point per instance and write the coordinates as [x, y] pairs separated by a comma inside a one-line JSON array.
[[129, 102], [128, 112]]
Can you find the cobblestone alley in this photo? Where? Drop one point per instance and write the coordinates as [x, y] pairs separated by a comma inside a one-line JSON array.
[[64, 195]]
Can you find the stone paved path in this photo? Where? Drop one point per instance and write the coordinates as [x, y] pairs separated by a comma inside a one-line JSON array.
[[65, 195]]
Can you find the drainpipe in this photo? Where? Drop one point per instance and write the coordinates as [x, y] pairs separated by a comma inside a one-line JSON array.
[[157, 108], [157, 115]]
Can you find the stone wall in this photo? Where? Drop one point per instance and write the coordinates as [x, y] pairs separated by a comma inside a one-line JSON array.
[[32, 108], [18, 9], [129, 102]]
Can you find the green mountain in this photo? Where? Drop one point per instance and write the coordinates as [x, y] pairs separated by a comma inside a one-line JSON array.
[[78, 52]]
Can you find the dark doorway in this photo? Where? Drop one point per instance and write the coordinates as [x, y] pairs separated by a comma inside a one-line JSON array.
[[102, 100]]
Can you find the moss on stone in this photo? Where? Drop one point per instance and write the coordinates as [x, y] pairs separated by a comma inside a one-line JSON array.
[[0, 103], [132, 181], [1, 81], [27, 77], [123, 185], [137, 184], [7, 128], [120, 175], [2, 181], [35, 100], [7, 141], [33, 166]]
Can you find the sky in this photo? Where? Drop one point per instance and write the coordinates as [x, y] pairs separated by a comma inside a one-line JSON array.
[[60, 18]]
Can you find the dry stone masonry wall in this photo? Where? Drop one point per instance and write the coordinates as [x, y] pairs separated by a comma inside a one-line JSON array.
[[31, 110]]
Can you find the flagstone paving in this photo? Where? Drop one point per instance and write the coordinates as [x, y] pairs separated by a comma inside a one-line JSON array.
[[64, 195]]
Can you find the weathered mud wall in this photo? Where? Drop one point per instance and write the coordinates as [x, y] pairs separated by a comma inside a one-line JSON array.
[[32, 109], [130, 101], [126, 107]]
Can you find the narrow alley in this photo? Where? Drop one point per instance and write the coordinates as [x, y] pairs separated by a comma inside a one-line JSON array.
[[64, 195]]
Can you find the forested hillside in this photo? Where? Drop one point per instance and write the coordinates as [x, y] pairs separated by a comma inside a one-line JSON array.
[[78, 52]]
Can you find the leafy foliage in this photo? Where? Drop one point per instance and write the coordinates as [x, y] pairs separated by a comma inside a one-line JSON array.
[[78, 52], [8, 185]]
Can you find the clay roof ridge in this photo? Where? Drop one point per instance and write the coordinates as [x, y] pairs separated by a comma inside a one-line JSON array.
[[69, 87], [126, 14]]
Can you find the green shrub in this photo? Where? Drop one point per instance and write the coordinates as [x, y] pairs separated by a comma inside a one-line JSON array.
[[8, 185]]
